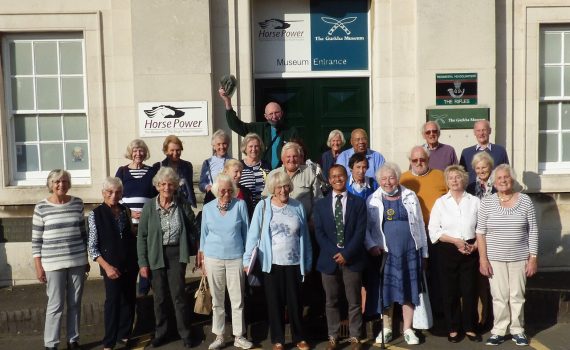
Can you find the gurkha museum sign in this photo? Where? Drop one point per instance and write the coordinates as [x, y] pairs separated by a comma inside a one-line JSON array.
[[159, 119], [457, 118], [310, 36], [456, 89]]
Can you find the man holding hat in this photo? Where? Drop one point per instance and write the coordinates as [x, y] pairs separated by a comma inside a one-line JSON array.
[[274, 133]]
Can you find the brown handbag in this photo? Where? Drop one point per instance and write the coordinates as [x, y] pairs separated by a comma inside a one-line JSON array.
[[203, 303]]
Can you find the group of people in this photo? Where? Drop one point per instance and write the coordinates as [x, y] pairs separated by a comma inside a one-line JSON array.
[[369, 230]]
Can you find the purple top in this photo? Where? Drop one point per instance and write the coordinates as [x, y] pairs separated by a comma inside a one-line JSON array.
[[442, 157]]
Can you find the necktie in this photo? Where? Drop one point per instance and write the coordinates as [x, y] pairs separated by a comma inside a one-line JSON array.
[[338, 221]]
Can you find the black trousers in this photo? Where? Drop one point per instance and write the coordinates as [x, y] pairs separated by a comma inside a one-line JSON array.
[[120, 302], [283, 288], [170, 280], [458, 276]]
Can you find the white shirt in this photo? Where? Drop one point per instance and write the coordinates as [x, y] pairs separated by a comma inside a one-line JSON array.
[[453, 219], [342, 201]]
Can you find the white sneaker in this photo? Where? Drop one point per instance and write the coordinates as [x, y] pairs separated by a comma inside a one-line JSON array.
[[387, 336], [218, 343], [241, 342], [410, 337]]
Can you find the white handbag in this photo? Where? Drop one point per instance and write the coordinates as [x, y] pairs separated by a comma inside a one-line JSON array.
[[423, 318]]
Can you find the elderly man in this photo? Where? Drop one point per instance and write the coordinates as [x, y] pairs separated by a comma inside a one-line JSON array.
[[441, 156], [274, 133], [340, 225], [359, 142], [428, 184], [482, 130], [306, 185]]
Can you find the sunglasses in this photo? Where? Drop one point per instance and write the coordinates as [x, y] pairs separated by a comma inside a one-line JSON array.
[[430, 132], [418, 160]]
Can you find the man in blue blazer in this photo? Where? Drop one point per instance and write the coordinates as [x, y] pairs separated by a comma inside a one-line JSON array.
[[340, 224]]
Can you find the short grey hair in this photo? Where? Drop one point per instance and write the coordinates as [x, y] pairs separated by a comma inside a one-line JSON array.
[[431, 122], [220, 179], [425, 150], [166, 174], [482, 157], [276, 179], [248, 138], [292, 145], [388, 167], [220, 134], [334, 133], [504, 167], [112, 182], [456, 168], [136, 143], [57, 174]]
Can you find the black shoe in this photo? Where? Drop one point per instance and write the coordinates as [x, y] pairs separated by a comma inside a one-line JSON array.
[[157, 342], [187, 343], [73, 346], [52, 348], [474, 338], [454, 339]]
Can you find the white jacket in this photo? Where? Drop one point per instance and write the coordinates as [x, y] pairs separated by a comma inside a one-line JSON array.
[[374, 233]]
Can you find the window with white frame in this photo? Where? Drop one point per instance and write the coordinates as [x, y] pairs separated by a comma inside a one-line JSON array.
[[45, 94], [554, 108]]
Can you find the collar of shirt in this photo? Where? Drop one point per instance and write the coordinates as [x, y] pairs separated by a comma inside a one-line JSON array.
[[489, 146], [428, 147], [448, 195], [365, 184], [161, 209]]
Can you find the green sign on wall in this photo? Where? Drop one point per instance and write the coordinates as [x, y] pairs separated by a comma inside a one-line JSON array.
[[456, 89], [457, 118]]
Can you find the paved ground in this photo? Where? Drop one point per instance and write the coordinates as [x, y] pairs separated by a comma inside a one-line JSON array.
[[556, 338], [22, 311]]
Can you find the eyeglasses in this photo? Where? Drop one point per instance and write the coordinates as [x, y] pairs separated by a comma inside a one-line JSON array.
[[224, 191], [418, 160], [430, 132]]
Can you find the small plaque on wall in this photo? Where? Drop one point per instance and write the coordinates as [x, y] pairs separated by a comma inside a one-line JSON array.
[[457, 118]]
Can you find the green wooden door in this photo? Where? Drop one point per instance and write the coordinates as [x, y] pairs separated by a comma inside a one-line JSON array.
[[317, 106]]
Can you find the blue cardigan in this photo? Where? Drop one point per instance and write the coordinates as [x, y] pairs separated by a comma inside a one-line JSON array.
[[264, 252]]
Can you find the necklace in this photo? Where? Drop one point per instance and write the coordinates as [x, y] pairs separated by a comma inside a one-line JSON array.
[[506, 198], [223, 206]]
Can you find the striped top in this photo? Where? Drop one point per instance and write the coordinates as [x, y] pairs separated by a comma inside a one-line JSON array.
[[137, 186], [511, 233], [253, 178], [58, 234]]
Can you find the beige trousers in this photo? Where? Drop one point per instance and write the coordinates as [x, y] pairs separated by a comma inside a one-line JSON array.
[[507, 289]]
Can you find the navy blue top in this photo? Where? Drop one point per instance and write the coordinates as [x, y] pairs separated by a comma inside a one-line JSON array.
[[327, 160]]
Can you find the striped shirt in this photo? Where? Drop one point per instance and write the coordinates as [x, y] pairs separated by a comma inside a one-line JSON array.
[[58, 234], [511, 233], [137, 187], [253, 178]]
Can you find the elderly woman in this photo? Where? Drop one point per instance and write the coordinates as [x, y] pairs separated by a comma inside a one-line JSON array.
[[358, 183], [396, 226], [59, 248], [165, 238], [234, 169], [137, 188], [172, 148], [222, 244], [483, 164], [215, 164], [113, 245], [254, 169], [280, 226], [452, 231], [335, 142], [507, 236]]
